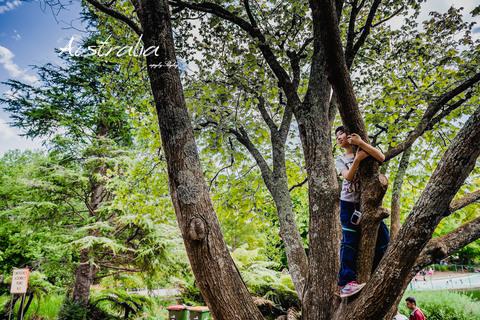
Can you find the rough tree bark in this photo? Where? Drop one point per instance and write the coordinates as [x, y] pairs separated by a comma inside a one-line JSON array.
[[84, 276], [216, 274], [314, 123], [397, 193]]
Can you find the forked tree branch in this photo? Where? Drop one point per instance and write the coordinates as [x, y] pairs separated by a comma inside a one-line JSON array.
[[117, 15]]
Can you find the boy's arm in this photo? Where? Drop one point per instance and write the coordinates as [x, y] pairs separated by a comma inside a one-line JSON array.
[[348, 174], [374, 152]]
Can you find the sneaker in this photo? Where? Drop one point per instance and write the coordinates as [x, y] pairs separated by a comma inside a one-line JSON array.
[[350, 289]]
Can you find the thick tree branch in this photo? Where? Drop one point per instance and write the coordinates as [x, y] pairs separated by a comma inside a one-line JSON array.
[[286, 121], [442, 247], [351, 30], [428, 118], [117, 15], [337, 68], [446, 111], [339, 8]]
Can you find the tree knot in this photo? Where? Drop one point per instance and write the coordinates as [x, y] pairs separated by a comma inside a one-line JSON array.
[[197, 229]]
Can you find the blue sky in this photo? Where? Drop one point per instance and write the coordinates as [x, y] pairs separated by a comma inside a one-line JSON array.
[[30, 32]]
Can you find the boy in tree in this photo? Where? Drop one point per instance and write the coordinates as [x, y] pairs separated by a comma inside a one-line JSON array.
[[347, 165], [416, 314]]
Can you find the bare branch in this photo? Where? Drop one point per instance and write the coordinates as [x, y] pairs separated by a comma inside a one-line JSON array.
[[298, 185], [350, 56], [117, 15], [246, 3], [394, 14], [351, 30]]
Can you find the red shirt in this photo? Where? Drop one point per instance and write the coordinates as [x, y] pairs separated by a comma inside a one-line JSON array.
[[417, 314]]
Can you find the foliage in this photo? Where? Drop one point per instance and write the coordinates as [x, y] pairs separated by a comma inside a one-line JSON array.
[[120, 301], [72, 311]]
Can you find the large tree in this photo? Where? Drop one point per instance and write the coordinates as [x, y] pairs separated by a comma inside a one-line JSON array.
[[307, 96]]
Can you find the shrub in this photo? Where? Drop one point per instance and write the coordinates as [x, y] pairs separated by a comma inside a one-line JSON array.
[[72, 311]]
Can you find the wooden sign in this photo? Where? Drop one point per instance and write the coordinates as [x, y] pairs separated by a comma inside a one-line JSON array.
[[19, 281]]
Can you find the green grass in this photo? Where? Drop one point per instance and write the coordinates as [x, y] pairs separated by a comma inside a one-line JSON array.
[[444, 305], [474, 294]]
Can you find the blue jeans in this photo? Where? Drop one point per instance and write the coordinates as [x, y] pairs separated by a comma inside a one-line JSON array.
[[350, 241]]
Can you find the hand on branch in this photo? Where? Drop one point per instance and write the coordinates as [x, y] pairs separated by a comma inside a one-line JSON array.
[[360, 155], [354, 139]]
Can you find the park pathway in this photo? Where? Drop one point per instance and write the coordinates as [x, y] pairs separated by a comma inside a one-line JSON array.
[[448, 281]]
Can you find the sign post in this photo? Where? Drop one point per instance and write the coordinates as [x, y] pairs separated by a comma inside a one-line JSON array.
[[19, 286]]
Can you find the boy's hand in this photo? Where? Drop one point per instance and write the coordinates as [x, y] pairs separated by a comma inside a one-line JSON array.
[[354, 139], [360, 155]]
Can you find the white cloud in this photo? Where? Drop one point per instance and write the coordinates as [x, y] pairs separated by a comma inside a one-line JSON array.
[[6, 60], [9, 5]]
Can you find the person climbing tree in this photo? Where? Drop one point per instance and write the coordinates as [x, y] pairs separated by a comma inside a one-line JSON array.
[[350, 215]]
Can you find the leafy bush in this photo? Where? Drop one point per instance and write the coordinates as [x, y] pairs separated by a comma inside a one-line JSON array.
[[263, 280], [444, 305], [72, 311]]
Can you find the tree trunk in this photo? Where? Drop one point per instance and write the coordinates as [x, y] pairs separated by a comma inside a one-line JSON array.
[[389, 280], [324, 226], [276, 181], [373, 188], [295, 252], [86, 270], [216, 274], [397, 192], [323, 194], [84, 276]]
